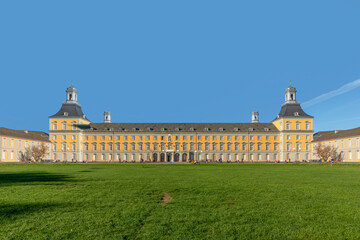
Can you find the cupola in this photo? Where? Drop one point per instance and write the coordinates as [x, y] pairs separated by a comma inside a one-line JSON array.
[[255, 117]]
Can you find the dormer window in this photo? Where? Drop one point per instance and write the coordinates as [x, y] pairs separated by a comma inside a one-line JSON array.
[[296, 114], [162, 129], [66, 114], [251, 129], [266, 129], [221, 129], [177, 129], [207, 129], [236, 129], [192, 129]]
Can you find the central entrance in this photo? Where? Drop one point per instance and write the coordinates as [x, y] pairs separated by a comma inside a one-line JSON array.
[[168, 157]]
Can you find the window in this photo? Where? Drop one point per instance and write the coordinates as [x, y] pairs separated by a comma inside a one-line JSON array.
[[169, 146], [307, 126], [244, 146], [184, 147], [207, 138], [297, 137], [184, 138], [287, 125], [259, 146], [221, 138], [214, 147], [110, 138], [147, 146], [191, 146], [297, 125], [140, 145], [259, 138], [251, 146], [236, 138], [63, 137], [236, 146], [73, 137], [94, 146], [199, 146], [110, 147], [140, 138], [63, 125], [132, 138], [244, 138], [133, 147], [191, 138], [125, 138], [155, 145], [54, 125], [357, 142], [358, 154], [267, 146], [267, 138], [206, 146], [199, 138], [162, 146], [307, 137], [229, 146], [63, 147], [118, 138], [288, 147], [73, 126], [177, 147], [275, 138], [229, 138], [251, 137], [125, 147], [350, 155], [102, 145], [73, 147], [86, 138], [214, 138], [177, 138], [162, 138], [259, 157], [221, 147], [54, 146], [117, 146], [94, 138], [307, 147]]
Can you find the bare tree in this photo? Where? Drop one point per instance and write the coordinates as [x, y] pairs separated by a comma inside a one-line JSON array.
[[327, 153], [25, 155], [39, 152]]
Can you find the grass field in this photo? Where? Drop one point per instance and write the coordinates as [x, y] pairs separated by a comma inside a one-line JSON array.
[[220, 201]]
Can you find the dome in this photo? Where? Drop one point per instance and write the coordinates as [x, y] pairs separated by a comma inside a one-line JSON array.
[[290, 89]]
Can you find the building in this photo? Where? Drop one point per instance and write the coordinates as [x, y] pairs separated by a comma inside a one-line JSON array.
[[345, 141], [75, 138], [12, 142]]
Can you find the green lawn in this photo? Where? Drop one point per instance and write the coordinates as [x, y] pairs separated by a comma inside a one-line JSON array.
[[220, 201]]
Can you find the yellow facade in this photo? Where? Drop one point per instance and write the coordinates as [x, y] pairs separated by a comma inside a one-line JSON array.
[[75, 138]]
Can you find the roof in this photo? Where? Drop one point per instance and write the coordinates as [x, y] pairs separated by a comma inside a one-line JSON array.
[[331, 135], [70, 110], [292, 110], [181, 127], [24, 134]]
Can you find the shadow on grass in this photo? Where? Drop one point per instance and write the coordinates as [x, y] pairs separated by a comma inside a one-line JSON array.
[[32, 177], [11, 210]]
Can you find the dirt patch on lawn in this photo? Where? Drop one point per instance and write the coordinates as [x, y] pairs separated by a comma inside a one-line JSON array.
[[166, 198]]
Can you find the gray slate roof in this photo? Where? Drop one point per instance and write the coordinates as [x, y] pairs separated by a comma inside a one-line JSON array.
[[72, 110], [289, 110], [30, 135], [181, 127], [331, 135]]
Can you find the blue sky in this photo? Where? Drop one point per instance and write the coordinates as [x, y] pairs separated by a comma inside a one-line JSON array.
[[178, 61]]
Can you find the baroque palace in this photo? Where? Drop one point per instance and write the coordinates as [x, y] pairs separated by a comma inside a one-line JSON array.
[[76, 139]]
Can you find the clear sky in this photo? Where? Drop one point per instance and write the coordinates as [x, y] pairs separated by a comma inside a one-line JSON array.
[[179, 61]]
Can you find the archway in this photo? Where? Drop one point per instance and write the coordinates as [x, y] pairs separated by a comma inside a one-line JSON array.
[[177, 157], [155, 157], [162, 157], [184, 157], [168, 157]]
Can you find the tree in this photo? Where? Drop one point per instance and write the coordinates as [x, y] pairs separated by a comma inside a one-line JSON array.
[[39, 152], [327, 153], [25, 155]]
